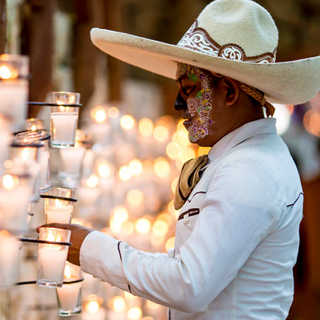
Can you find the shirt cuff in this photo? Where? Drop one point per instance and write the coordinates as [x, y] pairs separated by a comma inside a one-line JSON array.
[[100, 256]]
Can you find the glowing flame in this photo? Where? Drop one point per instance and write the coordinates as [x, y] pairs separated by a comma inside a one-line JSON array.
[[58, 203], [67, 272], [99, 114], [25, 154], [50, 236], [8, 73], [8, 181]]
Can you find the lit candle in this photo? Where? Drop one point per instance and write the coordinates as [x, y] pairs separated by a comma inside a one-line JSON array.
[[89, 193], [42, 137], [72, 160], [9, 249], [69, 296], [14, 70], [60, 212], [52, 257], [64, 119], [59, 205]]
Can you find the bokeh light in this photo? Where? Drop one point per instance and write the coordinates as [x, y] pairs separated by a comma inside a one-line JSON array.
[[145, 127], [127, 122]]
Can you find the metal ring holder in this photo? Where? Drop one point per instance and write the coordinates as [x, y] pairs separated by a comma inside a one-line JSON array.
[[50, 104], [47, 242]]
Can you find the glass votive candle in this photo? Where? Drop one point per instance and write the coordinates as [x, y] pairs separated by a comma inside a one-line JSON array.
[[59, 205], [43, 137], [52, 256], [14, 73], [69, 295], [64, 118], [9, 251]]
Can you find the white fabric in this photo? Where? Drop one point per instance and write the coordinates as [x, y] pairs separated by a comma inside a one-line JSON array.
[[234, 259]]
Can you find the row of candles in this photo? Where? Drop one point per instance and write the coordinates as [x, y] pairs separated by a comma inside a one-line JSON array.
[[117, 175], [25, 176]]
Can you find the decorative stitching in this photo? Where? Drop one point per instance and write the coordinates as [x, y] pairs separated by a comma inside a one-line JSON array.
[[289, 205], [198, 39], [204, 192], [191, 212]]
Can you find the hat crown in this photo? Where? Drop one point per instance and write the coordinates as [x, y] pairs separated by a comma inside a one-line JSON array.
[[234, 29]]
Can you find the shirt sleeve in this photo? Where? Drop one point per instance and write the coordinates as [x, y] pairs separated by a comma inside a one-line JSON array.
[[242, 203]]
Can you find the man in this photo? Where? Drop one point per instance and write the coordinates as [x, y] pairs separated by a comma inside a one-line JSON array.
[[237, 234]]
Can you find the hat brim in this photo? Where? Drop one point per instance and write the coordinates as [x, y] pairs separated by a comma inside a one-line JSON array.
[[291, 82]]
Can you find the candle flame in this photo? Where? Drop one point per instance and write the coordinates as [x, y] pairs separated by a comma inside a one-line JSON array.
[[52, 237], [67, 272], [8, 73], [25, 154], [58, 203], [34, 127], [8, 181]]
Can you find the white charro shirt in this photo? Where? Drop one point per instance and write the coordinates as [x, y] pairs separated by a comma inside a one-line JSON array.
[[236, 241]]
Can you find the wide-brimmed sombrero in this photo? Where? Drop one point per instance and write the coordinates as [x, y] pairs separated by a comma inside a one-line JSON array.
[[236, 38]]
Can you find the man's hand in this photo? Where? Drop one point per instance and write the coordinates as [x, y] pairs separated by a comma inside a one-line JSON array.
[[78, 234]]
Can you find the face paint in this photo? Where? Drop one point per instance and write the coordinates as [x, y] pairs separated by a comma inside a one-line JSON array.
[[199, 106]]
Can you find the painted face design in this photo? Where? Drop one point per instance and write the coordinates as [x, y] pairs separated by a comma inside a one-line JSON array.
[[199, 106]]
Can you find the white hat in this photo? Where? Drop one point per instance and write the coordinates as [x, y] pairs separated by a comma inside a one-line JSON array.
[[236, 38]]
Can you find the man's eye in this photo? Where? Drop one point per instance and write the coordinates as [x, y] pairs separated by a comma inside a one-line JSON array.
[[187, 89]]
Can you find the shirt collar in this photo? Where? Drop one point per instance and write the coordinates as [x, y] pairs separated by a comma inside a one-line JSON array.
[[246, 131]]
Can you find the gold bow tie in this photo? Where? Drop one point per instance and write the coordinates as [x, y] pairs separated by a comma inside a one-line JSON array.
[[189, 177]]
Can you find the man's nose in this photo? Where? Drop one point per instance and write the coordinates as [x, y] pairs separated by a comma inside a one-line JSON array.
[[180, 103]]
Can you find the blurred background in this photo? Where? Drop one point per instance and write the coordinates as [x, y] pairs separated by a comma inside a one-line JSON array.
[[55, 35]]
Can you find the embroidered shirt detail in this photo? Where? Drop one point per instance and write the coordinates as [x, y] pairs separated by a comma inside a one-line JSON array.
[[197, 39], [189, 213]]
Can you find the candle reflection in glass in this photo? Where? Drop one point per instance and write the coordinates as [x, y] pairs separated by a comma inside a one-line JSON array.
[[69, 296]]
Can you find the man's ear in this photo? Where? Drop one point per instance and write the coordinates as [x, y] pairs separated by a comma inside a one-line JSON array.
[[231, 89]]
